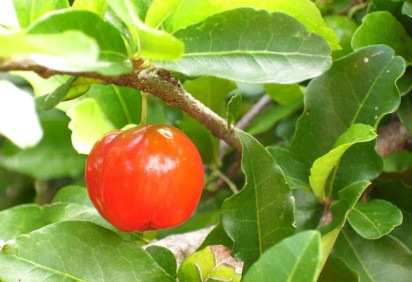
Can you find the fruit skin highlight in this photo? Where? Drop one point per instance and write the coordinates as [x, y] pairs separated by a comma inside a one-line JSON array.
[[148, 177]]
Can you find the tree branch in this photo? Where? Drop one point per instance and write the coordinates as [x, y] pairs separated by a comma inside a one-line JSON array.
[[154, 80]]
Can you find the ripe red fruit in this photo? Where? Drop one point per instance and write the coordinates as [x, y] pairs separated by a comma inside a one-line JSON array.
[[145, 178]]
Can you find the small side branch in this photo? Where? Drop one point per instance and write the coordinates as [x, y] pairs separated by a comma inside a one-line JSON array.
[[154, 80]]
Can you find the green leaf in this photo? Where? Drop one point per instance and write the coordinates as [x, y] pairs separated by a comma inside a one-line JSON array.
[[271, 115], [112, 56], [374, 219], [104, 108], [96, 6], [66, 51], [88, 124], [308, 210], [360, 162], [159, 10], [18, 118], [43, 254], [284, 94], [297, 173], [233, 108], [190, 12], [399, 194], [261, 214], [73, 194], [53, 157], [29, 11], [213, 263], [70, 203], [51, 100], [359, 88], [344, 28], [165, 258], [323, 166], [148, 42], [393, 35], [30, 217], [385, 259], [296, 258], [348, 197], [268, 48], [217, 236]]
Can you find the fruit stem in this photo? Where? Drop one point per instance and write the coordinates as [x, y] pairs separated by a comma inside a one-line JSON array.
[[143, 118]]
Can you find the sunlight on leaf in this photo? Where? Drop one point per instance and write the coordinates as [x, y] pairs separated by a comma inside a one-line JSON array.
[[270, 47], [88, 124], [323, 166], [18, 117]]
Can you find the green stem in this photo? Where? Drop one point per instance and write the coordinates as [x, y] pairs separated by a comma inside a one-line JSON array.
[[229, 183], [144, 108]]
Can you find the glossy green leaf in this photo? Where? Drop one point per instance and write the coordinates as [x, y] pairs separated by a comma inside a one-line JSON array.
[[308, 210], [159, 10], [297, 173], [30, 217], [217, 236], [360, 162], [399, 194], [51, 100], [393, 35], [208, 265], [105, 107], [29, 11], [284, 94], [359, 88], [269, 48], [323, 166], [261, 214], [296, 258], [73, 194], [375, 218], [233, 108], [385, 259], [190, 12], [271, 115], [43, 255], [96, 6], [80, 86], [53, 157], [112, 56], [66, 51], [344, 28], [348, 197], [163, 257], [147, 41], [70, 203], [88, 124], [18, 118]]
